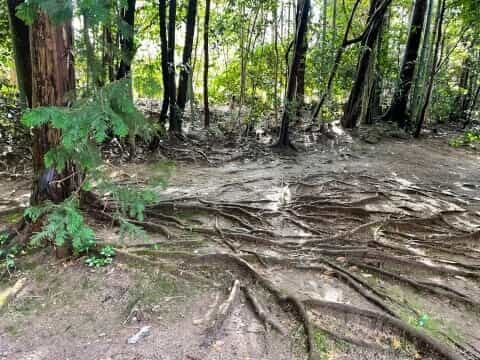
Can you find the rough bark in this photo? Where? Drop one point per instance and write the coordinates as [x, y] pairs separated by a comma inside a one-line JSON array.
[[186, 70], [126, 41], [284, 139], [398, 109], [21, 50], [53, 82]]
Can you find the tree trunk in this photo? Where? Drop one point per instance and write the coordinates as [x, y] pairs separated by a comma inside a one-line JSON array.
[[175, 125], [467, 86], [284, 139], [206, 65], [423, 63], [21, 50], [53, 80], [126, 41], [300, 91], [353, 107], [186, 71], [162, 14], [107, 59], [398, 109], [428, 93], [337, 60], [277, 61], [93, 74]]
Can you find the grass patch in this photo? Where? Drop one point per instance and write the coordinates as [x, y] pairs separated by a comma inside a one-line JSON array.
[[321, 343]]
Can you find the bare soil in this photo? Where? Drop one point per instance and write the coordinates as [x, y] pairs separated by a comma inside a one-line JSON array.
[[353, 251]]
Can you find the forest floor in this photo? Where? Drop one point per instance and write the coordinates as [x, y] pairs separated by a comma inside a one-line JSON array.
[[342, 250]]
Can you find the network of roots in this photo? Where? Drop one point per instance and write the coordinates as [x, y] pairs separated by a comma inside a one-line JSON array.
[[382, 265]]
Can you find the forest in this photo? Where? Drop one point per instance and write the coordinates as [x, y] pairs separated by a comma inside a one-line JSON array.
[[250, 179]]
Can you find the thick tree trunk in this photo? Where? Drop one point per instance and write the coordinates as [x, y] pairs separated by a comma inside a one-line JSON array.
[[284, 139], [206, 65], [353, 107], [398, 109], [53, 84], [21, 50], [186, 71], [126, 41]]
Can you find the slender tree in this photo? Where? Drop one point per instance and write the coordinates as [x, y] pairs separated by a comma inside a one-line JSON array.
[[206, 64], [284, 139], [353, 107], [398, 109], [186, 71], [433, 70], [175, 125], [108, 56], [338, 58], [162, 14], [302, 66], [467, 84], [127, 40], [21, 50]]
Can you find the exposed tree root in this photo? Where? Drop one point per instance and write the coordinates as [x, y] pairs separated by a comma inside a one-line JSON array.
[[444, 290], [354, 341], [11, 292], [357, 286], [266, 318], [224, 310], [414, 335]]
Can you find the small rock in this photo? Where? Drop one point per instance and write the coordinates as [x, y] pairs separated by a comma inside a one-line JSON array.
[[144, 332]]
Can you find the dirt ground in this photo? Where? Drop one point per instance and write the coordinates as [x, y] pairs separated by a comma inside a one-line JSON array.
[[353, 251]]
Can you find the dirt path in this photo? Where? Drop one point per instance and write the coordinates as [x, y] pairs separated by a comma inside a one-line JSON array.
[[369, 252]]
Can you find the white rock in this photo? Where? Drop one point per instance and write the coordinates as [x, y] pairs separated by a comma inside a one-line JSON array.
[[144, 332]]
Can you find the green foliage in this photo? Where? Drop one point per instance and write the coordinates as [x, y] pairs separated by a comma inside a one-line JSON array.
[[469, 138], [105, 257], [321, 342], [422, 320], [147, 79], [87, 123], [64, 222], [8, 255], [58, 10], [84, 127]]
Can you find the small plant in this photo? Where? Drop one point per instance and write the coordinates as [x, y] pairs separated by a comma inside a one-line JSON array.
[[105, 257], [321, 341], [10, 262], [469, 138], [64, 222], [7, 254], [422, 321]]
